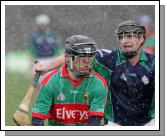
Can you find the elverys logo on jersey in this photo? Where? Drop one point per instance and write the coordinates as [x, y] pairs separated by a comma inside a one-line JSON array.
[[70, 113]]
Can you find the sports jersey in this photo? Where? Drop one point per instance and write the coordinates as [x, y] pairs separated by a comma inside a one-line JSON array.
[[150, 40], [44, 44], [68, 102], [105, 72], [131, 87]]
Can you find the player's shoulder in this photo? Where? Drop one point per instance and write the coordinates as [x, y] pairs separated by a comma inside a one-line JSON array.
[[49, 76], [150, 62], [35, 34], [103, 52], [99, 78], [106, 53], [150, 57]]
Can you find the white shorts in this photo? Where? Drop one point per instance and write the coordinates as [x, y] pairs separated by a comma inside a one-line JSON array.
[[150, 123]]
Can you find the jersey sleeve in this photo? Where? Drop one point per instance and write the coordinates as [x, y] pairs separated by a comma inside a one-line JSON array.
[[100, 65], [103, 55], [43, 104], [152, 109], [98, 102], [105, 69], [106, 58], [30, 45]]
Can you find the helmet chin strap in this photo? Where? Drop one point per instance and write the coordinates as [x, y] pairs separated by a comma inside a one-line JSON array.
[[71, 64]]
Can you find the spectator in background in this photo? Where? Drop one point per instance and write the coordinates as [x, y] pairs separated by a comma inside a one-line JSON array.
[[44, 42], [149, 44]]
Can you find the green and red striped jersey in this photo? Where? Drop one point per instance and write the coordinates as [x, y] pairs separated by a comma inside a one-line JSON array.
[[64, 101]]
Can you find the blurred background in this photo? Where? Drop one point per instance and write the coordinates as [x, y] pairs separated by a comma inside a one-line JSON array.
[[97, 21]]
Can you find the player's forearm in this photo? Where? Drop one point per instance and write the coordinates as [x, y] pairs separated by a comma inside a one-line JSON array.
[[50, 64], [56, 63]]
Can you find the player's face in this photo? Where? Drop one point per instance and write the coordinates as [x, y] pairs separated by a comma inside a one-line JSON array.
[[130, 42], [82, 64], [43, 27]]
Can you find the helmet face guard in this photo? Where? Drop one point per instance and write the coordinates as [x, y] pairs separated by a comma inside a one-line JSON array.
[[132, 29], [127, 54], [80, 65], [81, 50]]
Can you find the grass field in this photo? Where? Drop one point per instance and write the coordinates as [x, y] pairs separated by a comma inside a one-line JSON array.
[[16, 86]]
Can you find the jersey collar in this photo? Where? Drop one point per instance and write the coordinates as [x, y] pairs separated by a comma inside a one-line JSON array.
[[64, 74], [143, 56], [63, 71]]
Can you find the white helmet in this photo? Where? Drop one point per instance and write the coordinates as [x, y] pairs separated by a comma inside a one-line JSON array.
[[42, 19]]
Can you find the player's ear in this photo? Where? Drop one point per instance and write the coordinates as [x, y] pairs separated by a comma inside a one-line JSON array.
[[141, 38], [67, 57]]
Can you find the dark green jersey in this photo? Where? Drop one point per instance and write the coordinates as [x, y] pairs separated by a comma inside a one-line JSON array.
[[67, 102], [106, 73]]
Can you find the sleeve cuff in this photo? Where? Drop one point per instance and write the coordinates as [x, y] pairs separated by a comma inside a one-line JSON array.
[[38, 115], [94, 113]]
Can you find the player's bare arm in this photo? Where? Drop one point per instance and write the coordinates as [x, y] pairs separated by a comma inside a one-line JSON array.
[[50, 65]]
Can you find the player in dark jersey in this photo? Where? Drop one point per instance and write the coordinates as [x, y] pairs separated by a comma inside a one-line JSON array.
[[132, 76], [72, 94], [44, 42], [130, 73]]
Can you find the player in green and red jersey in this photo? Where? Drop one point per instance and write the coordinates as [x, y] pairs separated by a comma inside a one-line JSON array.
[[72, 94]]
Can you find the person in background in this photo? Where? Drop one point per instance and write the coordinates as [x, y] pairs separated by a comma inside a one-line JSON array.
[[149, 44], [44, 42]]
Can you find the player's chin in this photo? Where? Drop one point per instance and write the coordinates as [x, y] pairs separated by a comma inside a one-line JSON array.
[[128, 49], [84, 72]]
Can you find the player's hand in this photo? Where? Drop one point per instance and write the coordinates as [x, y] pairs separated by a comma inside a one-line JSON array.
[[40, 66]]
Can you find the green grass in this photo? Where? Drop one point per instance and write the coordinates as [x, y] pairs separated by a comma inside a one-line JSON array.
[[16, 86]]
